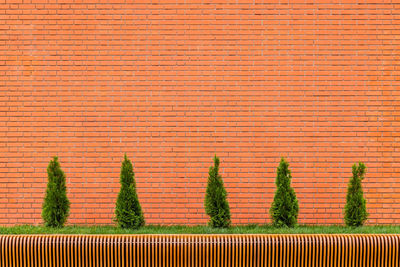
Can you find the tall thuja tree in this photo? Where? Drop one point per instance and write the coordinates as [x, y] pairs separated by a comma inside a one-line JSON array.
[[128, 211], [355, 209], [285, 208], [215, 202], [56, 204]]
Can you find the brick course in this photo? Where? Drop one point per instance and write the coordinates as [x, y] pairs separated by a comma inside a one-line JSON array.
[[171, 83]]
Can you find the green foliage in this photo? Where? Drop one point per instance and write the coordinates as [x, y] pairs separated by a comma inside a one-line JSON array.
[[128, 211], [356, 209], [285, 208], [215, 202], [56, 204]]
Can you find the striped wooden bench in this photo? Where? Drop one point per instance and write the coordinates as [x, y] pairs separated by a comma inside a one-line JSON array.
[[199, 250]]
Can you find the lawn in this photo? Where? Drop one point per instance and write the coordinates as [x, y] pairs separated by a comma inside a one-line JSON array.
[[246, 229]]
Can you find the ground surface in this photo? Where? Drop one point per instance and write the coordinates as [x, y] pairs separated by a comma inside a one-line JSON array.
[[248, 229]]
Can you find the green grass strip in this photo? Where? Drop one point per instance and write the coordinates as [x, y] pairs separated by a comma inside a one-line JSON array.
[[246, 229]]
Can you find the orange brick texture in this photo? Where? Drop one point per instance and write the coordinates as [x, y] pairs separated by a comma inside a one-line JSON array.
[[171, 83]]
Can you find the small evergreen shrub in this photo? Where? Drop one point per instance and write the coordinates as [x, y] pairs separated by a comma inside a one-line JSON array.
[[285, 207], [215, 202], [128, 211], [56, 204], [355, 209]]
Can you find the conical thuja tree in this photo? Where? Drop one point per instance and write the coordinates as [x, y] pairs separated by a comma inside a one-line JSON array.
[[128, 211], [285, 208], [355, 209], [56, 204], [215, 202]]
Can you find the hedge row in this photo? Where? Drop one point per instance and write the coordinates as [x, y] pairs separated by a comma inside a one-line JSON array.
[[128, 212]]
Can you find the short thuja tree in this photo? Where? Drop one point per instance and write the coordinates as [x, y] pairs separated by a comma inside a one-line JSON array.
[[56, 204], [355, 209], [285, 208], [128, 211], [215, 202]]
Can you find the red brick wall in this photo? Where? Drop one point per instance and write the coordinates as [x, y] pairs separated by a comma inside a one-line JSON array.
[[173, 82]]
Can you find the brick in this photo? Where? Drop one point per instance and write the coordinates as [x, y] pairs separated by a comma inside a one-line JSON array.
[[173, 84]]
